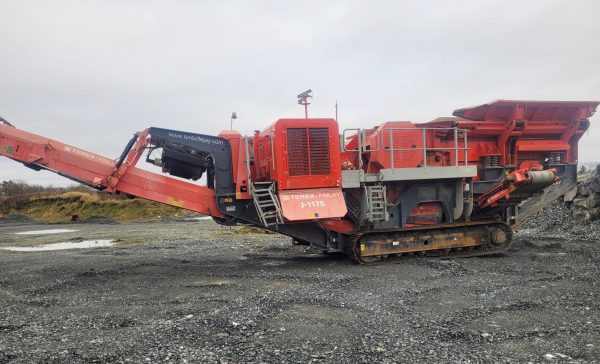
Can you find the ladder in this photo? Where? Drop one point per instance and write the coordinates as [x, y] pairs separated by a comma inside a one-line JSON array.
[[267, 204], [376, 204]]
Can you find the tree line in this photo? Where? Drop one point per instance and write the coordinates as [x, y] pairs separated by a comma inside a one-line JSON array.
[[19, 188]]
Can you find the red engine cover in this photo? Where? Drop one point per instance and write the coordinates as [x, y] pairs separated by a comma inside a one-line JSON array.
[[299, 153]]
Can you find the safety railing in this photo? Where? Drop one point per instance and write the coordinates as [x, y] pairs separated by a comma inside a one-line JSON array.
[[361, 133], [391, 149]]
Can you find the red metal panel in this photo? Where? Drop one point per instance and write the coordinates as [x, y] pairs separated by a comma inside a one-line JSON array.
[[238, 159], [529, 110], [77, 163], [314, 203], [542, 145], [306, 154], [170, 191]]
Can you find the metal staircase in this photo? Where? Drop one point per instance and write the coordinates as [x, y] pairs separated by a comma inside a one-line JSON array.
[[267, 204], [376, 204]]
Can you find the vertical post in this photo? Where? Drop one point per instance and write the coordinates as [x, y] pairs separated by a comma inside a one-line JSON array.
[[465, 148], [360, 136], [271, 140], [247, 161], [392, 146], [303, 100], [456, 145], [424, 147], [233, 117], [336, 111]]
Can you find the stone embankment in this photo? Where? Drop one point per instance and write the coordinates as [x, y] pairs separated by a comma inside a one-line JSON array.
[[584, 200]]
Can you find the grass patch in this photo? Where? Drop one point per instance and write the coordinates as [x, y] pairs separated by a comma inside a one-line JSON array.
[[62, 207]]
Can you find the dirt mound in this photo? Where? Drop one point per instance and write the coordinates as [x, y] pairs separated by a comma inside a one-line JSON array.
[[85, 207]]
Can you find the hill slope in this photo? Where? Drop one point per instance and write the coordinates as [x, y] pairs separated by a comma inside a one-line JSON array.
[[73, 206]]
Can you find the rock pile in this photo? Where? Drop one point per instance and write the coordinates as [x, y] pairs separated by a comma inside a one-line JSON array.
[[585, 198], [573, 218]]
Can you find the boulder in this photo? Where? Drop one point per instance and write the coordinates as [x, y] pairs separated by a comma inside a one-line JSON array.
[[594, 184], [585, 198], [582, 189], [580, 213], [582, 202], [593, 200], [595, 213], [570, 195]]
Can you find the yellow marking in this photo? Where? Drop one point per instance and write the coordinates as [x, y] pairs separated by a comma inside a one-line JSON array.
[[363, 247], [238, 195], [174, 202], [228, 199]]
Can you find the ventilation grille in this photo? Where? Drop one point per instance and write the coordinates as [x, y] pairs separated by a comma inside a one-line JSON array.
[[297, 152], [319, 150], [308, 151]]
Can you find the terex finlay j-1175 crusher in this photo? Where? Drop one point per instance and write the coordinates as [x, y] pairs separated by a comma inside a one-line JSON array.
[[452, 186]]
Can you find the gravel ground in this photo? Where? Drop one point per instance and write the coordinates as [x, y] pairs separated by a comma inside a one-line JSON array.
[[193, 291]]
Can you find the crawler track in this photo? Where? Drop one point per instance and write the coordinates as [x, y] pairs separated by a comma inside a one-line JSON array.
[[446, 241]]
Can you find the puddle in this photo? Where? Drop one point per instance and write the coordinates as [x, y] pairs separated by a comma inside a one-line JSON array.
[[43, 232], [62, 246], [200, 218]]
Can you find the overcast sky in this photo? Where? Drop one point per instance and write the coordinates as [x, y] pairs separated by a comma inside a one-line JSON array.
[[90, 73]]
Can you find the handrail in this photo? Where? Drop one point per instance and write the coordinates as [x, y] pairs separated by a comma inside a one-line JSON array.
[[424, 148], [380, 143], [361, 142]]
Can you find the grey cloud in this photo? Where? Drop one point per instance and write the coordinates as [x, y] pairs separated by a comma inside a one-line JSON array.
[[90, 73]]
